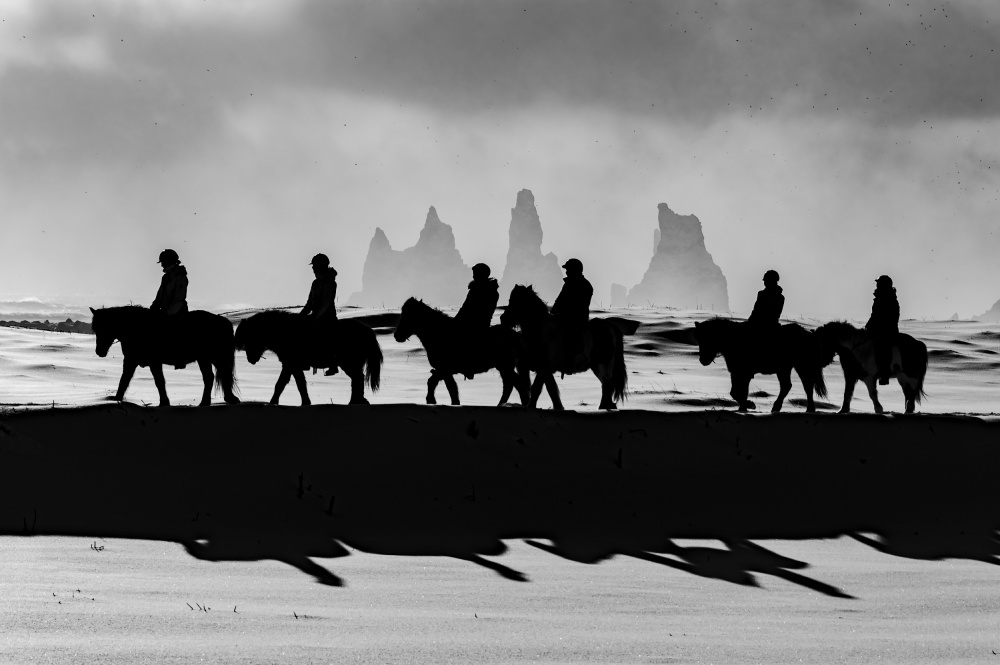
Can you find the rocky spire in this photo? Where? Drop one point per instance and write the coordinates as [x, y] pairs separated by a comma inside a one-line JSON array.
[[525, 262]]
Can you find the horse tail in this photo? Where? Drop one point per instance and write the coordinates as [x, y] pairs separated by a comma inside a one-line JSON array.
[[619, 376], [373, 362], [819, 383], [922, 362]]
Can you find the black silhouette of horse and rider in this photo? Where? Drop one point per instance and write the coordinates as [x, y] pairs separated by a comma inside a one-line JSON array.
[[531, 337]]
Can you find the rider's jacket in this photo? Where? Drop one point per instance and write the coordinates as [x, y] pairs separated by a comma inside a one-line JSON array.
[[767, 309], [573, 303], [322, 296], [171, 297], [477, 310], [885, 313]]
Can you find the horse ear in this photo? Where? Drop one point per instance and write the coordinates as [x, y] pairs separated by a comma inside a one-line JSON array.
[[93, 311]]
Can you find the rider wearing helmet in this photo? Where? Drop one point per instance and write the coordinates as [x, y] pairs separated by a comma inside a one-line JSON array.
[[171, 297], [572, 306], [766, 312], [321, 304], [883, 325], [484, 293]]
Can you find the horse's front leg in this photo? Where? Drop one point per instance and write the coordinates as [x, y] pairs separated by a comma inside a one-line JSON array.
[[449, 382], [536, 389], [279, 387], [432, 384], [740, 391], [207, 377], [161, 385], [872, 384], [128, 370], [300, 383]]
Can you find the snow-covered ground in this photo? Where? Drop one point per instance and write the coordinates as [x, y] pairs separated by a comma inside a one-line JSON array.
[[670, 531]]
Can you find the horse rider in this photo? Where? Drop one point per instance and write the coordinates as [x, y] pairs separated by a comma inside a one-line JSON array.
[[171, 297], [765, 319], [883, 325], [321, 304], [572, 305], [484, 294]]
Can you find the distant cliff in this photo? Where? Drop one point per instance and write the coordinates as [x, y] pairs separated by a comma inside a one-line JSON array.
[[525, 262], [992, 314], [431, 270], [69, 325], [681, 272]]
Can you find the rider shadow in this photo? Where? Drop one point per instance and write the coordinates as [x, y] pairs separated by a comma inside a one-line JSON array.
[[735, 565]]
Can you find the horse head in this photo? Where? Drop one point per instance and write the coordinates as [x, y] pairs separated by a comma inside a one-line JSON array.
[[523, 306], [407, 319], [103, 330], [248, 338], [709, 342]]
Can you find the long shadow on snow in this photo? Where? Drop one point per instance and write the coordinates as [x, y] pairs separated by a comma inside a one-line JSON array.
[[253, 482]]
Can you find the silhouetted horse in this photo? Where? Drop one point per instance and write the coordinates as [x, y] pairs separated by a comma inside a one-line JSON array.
[[746, 355], [300, 342], [150, 339], [857, 359], [452, 349], [603, 349]]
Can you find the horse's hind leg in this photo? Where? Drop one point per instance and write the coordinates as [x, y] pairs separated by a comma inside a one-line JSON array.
[[909, 393], [128, 369], [607, 403], [300, 383], [508, 377], [849, 383], [553, 388], [449, 382], [432, 386], [161, 384], [207, 376], [357, 385]]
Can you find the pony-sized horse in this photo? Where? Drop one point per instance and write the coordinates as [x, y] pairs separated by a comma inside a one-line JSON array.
[[746, 354], [603, 349], [300, 342], [857, 358], [452, 349], [151, 339]]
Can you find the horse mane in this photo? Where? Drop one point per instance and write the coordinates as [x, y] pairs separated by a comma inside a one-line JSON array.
[[534, 301], [423, 310]]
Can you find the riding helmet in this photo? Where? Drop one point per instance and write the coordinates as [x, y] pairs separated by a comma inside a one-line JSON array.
[[168, 257], [321, 260], [481, 269], [771, 276], [573, 265]]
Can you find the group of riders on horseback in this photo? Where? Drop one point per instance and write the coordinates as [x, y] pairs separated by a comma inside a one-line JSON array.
[[560, 339]]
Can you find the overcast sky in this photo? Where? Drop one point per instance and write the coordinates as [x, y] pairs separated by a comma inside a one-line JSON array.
[[832, 140]]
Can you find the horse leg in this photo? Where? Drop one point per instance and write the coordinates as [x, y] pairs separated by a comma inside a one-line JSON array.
[[300, 383], [161, 386], [357, 384], [740, 392], [553, 388], [279, 387], [784, 387], [207, 377], [128, 369], [603, 373], [536, 389], [909, 392], [849, 384], [449, 382], [432, 386], [508, 377], [870, 381]]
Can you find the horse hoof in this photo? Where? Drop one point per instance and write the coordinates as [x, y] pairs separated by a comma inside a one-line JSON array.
[[232, 399], [359, 401]]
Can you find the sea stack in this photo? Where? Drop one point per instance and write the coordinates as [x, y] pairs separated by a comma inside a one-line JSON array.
[[681, 273], [431, 270], [525, 262]]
